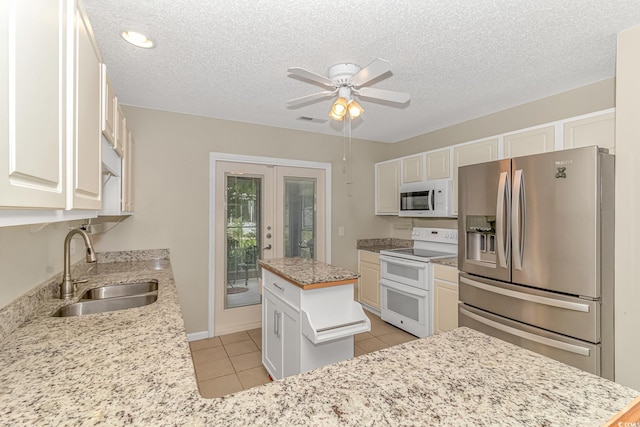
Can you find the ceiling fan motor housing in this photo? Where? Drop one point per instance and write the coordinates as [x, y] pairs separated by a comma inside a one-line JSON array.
[[341, 73]]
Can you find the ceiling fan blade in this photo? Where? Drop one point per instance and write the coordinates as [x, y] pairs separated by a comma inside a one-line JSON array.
[[309, 98], [386, 95], [306, 74], [375, 69]]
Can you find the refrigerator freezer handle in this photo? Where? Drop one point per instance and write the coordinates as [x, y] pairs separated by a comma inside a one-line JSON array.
[[517, 223], [583, 351], [501, 233]]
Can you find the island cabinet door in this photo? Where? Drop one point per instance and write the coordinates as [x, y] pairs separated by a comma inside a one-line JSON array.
[[271, 334], [280, 336]]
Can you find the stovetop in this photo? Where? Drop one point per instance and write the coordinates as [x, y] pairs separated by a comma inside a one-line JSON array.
[[428, 243]]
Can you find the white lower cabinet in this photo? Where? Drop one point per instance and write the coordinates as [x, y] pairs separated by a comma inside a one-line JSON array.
[[369, 282], [445, 289], [306, 329], [281, 336]]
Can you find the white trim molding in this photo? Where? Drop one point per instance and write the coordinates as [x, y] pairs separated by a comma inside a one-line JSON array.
[[269, 161]]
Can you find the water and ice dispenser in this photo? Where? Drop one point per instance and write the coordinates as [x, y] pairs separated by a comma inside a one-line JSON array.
[[481, 238]]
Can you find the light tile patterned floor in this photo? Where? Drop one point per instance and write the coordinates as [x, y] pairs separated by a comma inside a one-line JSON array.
[[233, 362]]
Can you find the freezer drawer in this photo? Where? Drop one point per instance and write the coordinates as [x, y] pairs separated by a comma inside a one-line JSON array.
[[563, 314], [582, 355]]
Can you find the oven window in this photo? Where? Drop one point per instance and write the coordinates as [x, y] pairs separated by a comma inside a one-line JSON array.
[[411, 273], [415, 201], [405, 305]]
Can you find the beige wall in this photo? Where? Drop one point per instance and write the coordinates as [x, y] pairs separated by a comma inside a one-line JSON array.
[[627, 297], [172, 192], [586, 99], [29, 255], [172, 195]]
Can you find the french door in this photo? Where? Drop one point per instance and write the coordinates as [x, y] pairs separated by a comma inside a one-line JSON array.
[[261, 211]]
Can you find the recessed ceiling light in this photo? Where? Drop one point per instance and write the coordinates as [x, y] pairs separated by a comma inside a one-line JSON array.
[[137, 39]]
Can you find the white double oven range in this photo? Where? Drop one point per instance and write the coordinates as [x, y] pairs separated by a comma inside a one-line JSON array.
[[406, 279]]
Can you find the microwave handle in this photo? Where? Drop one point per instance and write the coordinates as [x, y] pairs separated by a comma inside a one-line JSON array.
[[433, 202]]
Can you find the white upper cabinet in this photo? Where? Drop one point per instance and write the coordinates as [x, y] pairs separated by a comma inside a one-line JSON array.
[[109, 108], [127, 175], [87, 123], [596, 130], [32, 104], [438, 164], [413, 169], [121, 136], [534, 141], [50, 108], [470, 154], [387, 186]]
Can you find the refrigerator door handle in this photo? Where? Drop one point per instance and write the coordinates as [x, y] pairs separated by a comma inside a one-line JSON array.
[[518, 218], [583, 351], [502, 204], [567, 305]]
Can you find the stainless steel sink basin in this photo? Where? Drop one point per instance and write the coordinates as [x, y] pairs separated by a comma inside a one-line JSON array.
[[108, 304], [126, 289]]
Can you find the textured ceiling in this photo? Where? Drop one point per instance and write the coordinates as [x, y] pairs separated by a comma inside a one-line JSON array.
[[459, 59]]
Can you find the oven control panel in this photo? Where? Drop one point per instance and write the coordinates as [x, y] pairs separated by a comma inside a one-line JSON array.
[[444, 235]]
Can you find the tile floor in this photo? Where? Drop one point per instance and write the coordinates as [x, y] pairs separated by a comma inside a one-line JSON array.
[[231, 363]]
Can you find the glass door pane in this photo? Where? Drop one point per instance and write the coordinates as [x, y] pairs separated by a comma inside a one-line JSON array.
[[243, 225], [300, 217]]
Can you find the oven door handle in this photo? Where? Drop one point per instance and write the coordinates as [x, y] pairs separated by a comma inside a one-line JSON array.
[[409, 290], [402, 262]]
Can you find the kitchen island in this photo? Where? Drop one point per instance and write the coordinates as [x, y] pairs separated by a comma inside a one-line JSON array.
[[134, 367], [309, 316]]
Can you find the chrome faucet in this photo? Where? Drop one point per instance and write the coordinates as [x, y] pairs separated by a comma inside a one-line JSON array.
[[67, 285]]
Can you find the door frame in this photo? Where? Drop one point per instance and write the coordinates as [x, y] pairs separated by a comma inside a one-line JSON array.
[[270, 161]]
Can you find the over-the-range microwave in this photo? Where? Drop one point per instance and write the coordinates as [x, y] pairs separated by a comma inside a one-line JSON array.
[[427, 199]]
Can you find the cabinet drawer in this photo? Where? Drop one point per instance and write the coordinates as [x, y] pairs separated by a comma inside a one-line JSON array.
[[444, 272], [283, 289], [372, 257]]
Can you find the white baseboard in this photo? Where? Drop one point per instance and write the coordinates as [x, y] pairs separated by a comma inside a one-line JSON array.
[[195, 336]]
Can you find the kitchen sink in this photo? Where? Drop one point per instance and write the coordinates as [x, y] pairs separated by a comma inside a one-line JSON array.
[[93, 306], [122, 290]]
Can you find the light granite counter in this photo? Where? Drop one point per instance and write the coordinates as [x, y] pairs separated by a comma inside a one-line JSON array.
[[308, 273], [382, 244], [133, 367], [449, 262]]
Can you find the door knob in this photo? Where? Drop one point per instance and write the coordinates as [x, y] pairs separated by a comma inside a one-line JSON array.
[[268, 246]]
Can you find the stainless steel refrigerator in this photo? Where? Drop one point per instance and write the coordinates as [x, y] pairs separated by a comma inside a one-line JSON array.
[[536, 254]]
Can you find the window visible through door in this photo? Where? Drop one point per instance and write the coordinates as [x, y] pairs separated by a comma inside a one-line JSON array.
[[261, 211]]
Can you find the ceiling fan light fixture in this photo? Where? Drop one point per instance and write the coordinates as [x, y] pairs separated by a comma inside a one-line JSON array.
[[339, 109], [137, 39], [355, 109]]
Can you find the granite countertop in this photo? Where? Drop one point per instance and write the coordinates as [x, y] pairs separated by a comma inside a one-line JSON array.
[[306, 273], [134, 367], [381, 244], [449, 262]]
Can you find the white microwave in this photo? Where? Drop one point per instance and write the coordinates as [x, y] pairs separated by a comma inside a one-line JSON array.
[[427, 199]]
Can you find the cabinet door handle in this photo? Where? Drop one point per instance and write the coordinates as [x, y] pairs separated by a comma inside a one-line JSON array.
[[281, 288], [275, 322], [279, 321]]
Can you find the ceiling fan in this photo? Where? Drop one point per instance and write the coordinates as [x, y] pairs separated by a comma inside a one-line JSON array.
[[347, 80]]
